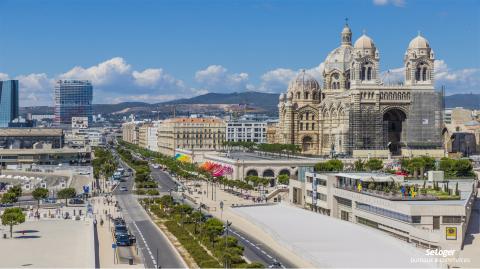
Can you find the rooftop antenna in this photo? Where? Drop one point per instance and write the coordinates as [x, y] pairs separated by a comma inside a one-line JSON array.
[[346, 21], [419, 33]]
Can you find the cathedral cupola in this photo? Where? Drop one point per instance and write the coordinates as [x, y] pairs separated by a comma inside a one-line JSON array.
[[419, 62], [366, 58], [304, 88]]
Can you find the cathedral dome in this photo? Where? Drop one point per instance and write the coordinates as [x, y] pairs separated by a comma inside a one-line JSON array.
[[338, 59], [419, 42], [364, 42], [304, 82]]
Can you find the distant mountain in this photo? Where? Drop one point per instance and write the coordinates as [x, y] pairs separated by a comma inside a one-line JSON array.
[[258, 99], [469, 100], [266, 102]]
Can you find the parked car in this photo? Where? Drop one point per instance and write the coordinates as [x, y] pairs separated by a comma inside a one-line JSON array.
[[76, 201], [49, 200], [123, 188]]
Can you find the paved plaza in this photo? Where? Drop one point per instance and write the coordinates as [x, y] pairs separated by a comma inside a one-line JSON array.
[[49, 243]]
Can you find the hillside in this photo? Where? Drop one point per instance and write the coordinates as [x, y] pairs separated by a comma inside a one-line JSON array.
[[259, 99], [266, 102], [470, 100]]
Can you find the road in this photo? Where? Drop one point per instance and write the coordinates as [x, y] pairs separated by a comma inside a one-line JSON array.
[[150, 239], [254, 250]]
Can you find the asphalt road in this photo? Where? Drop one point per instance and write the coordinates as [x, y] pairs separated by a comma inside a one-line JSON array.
[[254, 250], [150, 240]]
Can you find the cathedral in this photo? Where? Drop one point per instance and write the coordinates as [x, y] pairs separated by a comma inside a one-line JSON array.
[[353, 109]]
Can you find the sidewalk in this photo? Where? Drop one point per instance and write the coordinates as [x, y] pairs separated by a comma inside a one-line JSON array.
[[239, 222], [107, 255]]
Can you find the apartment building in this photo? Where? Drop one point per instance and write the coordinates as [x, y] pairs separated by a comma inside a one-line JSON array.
[[147, 135], [130, 132], [248, 128], [424, 220], [190, 133]]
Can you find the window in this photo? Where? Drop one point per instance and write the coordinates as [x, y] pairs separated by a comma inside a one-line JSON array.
[[416, 219], [451, 219], [313, 126], [343, 201]]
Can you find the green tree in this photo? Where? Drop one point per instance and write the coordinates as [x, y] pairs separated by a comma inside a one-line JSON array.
[[66, 194], [329, 166], [213, 228], [39, 194], [12, 216], [463, 168], [359, 165], [17, 190], [9, 198], [283, 179], [374, 164], [447, 165], [196, 218]]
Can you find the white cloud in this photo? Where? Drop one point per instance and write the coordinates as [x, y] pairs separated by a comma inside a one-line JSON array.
[[113, 78], [397, 3], [217, 78], [157, 77], [455, 81], [277, 80], [104, 73]]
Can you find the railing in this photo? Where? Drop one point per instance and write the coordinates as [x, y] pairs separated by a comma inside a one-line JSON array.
[[388, 196]]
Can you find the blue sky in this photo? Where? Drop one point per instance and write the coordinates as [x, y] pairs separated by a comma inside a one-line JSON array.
[[159, 50]]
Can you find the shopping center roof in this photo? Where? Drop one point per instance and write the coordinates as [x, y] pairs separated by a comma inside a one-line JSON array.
[[327, 242]]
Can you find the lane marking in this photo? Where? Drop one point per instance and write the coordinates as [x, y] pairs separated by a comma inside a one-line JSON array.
[[269, 256]]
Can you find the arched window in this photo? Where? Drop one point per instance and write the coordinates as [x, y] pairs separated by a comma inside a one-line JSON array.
[[417, 74], [369, 73], [313, 126], [301, 126], [424, 74], [298, 95], [314, 95], [362, 75], [306, 95]]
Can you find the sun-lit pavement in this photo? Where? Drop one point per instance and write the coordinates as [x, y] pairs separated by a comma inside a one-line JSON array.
[[49, 243], [471, 249], [331, 243], [242, 224]]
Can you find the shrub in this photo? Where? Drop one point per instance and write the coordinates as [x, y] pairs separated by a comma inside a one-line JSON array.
[[152, 192]]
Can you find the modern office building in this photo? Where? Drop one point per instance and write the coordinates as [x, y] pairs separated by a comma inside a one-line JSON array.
[[73, 98], [8, 102], [247, 129], [190, 133], [390, 204]]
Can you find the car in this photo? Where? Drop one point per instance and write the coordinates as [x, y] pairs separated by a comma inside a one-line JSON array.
[[49, 200], [275, 264], [76, 201], [123, 239], [6, 205], [123, 188]]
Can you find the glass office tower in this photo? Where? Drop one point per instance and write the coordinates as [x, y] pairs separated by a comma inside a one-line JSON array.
[[8, 102], [73, 98]]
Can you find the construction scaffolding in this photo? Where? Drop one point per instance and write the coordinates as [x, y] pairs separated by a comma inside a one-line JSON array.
[[419, 126], [366, 130], [423, 127]]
